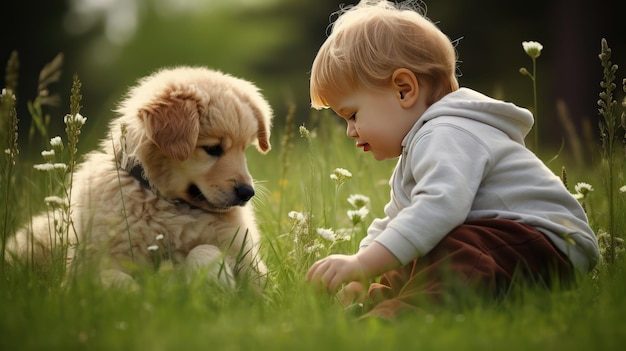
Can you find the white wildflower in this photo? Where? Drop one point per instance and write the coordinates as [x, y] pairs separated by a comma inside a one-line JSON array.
[[44, 167], [344, 234], [7, 151], [358, 200], [48, 155], [357, 216], [316, 247], [304, 132], [583, 188], [56, 142], [578, 196], [532, 48], [299, 224], [159, 237], [55, 201], [340, 175], [343, 172], [6, 93], [622, 189], [296, 216], [327, 234], [77, 119], [153, 247]]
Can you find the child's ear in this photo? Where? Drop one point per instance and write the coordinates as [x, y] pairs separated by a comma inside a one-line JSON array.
[[407, 87]]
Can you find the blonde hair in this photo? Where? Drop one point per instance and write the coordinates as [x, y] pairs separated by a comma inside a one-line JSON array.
[[371, 40]]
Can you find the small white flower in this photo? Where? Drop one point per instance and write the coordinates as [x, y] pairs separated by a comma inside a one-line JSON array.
[[6, 93], [314, 248], [327, 234], [340, 175], [159, 237], [7, 151], [532, 48], [578, 196], [153, 247], [343, 172], [296, 216], [304, 132], [44, 167], [299, 223], [61, 166], [56, 142], [622, 189], [344, 234], [583, 188], [357, 216], [77, 119], [358, 200], [48, 154], [55, 200]]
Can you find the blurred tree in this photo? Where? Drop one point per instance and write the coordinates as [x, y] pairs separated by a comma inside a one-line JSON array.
[[273, 42], [34, 29], [269, 42], [568, 69]]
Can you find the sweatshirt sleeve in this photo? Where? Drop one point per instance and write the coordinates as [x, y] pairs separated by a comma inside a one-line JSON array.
[[432, 191], [379, 224]]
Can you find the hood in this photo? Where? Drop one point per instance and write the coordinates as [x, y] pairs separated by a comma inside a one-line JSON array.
[[515, 121]]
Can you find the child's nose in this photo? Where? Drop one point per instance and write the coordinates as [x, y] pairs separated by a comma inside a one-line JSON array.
[[351, 130]]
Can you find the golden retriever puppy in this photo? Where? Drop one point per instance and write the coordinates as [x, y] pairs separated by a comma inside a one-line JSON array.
[[169, 179]]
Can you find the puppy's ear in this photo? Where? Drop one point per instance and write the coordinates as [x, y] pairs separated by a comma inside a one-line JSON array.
[[172, 122], [263, 114], [265, 124]]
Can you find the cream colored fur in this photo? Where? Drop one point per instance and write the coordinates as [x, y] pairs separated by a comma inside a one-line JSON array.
[[187, 127]]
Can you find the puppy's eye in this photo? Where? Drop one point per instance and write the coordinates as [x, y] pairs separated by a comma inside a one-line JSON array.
[[215, 150]]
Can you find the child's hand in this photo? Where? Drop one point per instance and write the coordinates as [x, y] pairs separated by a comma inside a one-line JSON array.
[[353, 292], [331, 272]]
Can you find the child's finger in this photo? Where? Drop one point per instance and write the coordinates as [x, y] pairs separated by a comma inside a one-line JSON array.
[[351, 293], [314, 268]]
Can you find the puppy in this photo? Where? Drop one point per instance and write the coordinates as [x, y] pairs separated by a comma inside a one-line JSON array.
[[170, 181]]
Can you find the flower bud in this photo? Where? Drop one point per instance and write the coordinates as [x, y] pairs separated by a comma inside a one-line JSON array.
[[532, 48]]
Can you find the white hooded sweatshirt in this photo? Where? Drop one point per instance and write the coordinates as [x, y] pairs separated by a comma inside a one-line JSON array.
[[465, 159]]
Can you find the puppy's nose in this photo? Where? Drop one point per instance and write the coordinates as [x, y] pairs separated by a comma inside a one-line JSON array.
[[244, 192]]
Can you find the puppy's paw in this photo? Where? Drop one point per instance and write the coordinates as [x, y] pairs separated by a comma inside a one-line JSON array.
[[113, 278], [207, 262]]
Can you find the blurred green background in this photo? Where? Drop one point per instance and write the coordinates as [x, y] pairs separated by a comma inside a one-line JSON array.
[[111, 43]]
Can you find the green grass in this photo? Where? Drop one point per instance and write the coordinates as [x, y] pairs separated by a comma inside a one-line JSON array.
[[172, 317], [37, 312], [167, 314]]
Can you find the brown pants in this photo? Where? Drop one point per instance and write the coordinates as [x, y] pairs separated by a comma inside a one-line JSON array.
[[481, 256]]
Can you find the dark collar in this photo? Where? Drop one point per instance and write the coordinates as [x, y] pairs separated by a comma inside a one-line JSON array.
[[135, 169], [138, 173]]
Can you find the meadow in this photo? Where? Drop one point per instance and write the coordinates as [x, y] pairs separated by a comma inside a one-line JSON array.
[[307, 189]]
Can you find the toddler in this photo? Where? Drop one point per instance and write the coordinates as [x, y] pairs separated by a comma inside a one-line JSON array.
[[471, 208]]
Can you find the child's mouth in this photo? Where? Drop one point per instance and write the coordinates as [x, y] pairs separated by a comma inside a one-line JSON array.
[[366, 147]]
